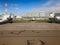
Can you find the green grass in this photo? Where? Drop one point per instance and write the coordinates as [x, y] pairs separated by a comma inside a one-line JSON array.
[[27, 21], [21, 21]]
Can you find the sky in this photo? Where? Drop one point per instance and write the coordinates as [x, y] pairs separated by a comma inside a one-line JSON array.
[[21, 6]]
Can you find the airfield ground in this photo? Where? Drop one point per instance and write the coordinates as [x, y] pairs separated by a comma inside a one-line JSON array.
[[30, 34], [30, 26]]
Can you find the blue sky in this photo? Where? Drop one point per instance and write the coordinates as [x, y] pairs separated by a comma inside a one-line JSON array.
[[19, 6]]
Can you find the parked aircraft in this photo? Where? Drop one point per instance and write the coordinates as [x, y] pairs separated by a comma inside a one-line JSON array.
[[5, 19], [55, 17]]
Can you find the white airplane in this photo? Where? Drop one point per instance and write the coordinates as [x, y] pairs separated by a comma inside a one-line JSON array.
[[5, 19]]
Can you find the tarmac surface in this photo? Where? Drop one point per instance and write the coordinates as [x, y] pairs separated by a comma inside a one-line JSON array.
[[30, 26], [30, 34]]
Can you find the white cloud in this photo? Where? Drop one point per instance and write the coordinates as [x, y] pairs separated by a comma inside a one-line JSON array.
[[48, 3], [54, 8]]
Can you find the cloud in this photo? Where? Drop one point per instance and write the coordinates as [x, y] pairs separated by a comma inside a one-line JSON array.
[[49, 2], [45, 8], [55, 8], [50, 6]]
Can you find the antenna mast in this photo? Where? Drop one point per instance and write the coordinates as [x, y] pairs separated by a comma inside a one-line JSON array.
[[6, 6]]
